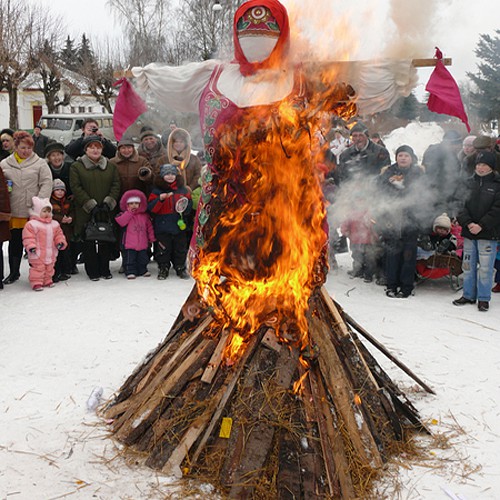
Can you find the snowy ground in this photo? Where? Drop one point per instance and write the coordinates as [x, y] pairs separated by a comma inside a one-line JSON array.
[[59, 344]]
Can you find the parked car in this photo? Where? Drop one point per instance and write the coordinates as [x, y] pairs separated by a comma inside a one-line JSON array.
[[66, 127]]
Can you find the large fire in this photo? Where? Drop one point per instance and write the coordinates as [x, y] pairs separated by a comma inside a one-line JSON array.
[[266, 246]]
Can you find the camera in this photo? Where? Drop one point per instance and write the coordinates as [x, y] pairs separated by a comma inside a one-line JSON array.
[[94, 129]]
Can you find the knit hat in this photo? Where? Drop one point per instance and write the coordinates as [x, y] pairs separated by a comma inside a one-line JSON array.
[[453, 137], [487, 157], [126, 142], [482, 142], [442, 221], [53, 146], [168, 169], [147, 133], [360, 127], [91, 139], [133, 199], [58, 184], [39, 204], [406, 149]]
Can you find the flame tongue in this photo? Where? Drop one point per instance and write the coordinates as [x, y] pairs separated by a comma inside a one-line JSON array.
[[266, 234]]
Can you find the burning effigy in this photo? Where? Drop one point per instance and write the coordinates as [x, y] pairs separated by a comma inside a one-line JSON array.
[[260, 386]]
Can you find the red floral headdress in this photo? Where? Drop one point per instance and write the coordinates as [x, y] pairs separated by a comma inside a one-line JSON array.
[[280, 51]]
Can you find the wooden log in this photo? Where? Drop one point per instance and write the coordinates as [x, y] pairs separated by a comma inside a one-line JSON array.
[[259, 439], [153, 377], [331, 440], [135, 420], [228, 390], [341, 391]]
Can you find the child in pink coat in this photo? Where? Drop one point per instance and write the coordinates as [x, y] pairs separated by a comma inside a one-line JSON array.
[[137, 233], [42, 238]]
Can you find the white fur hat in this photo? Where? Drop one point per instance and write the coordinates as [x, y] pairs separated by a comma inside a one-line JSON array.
[[39, 204]]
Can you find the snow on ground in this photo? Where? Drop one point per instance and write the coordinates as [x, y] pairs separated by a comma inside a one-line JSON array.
[[59, 344]]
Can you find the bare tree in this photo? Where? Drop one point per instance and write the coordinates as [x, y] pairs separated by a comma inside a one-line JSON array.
[[23, 29], [55, 92], [209, 30], [146, 25], [98, 67]]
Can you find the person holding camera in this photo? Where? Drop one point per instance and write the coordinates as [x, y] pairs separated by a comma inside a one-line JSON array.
[[90, 127], [96, 188]]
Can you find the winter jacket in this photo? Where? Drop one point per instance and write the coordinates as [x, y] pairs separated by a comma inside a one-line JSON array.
[[40, 143], [43, 235], [64, 207], [165, 217], [138, 231], [93, 184], [482, 207], [129, 171], [30, 178], [397, 210], [4, 209], [188, 164], [366, 162], [359, 229]]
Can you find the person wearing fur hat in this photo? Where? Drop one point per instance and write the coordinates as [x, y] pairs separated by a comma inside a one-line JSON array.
[[400, 188], [151, 148], [95, 183], [179, 154], [63, 212], [90, 127], [4, 219], [134, 169], [169, 226], [480, 221], [30, 176], [42, 238], [6, 143], [137, 233]]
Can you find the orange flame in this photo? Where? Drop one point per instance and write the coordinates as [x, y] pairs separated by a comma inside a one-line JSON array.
[[266, 240]]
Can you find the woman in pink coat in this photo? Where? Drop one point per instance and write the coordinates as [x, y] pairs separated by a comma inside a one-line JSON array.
[[137, 233], [42, 238]]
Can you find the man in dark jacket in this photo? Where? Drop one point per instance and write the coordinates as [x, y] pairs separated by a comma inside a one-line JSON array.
[[480, 221], [89, 128], [363, 158], [442, 167], [41, 141]]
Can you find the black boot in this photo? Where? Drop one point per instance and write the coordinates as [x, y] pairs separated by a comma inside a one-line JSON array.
[[183, 275], [14, 265], [163, 273]]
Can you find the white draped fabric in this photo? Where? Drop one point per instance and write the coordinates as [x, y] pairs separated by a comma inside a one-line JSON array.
[[378, 84]]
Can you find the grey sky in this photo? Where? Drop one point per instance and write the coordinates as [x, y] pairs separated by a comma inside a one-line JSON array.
[[364, 29]]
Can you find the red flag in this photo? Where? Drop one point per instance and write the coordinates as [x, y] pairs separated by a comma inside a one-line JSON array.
[[444, 94], [129, 106]]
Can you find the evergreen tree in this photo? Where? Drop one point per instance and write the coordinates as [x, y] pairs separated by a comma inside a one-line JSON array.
[[85, 54], [486, 101], [68, 55]]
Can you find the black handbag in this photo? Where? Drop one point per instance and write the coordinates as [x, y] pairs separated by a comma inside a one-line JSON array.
[[100, 231], [340, 245]]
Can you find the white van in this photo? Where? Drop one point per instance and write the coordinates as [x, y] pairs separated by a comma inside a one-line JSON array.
[[66, 127]]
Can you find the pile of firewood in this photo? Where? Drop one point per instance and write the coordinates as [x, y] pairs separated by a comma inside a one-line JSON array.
[[276, 422]]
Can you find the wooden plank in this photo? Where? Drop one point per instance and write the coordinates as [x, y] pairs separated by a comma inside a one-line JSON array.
[[340, 388], [332, 444], [216, 359]]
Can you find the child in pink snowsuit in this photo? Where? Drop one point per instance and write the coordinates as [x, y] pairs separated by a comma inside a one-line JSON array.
[[42, 238]]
